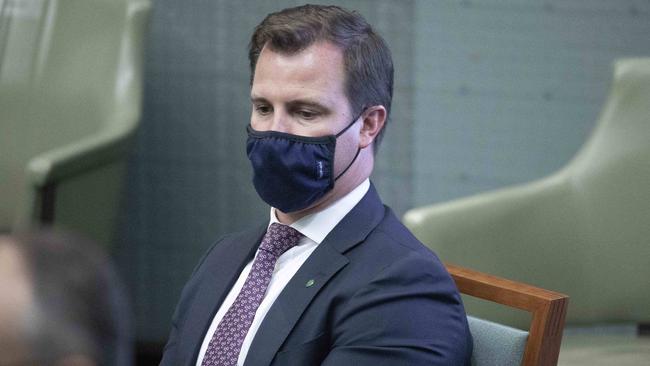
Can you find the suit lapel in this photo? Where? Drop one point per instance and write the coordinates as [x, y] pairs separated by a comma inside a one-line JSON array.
[[320, 267], [219, 278]]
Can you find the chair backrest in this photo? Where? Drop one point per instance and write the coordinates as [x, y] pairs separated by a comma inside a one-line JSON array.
[[69, 78], [583, 231], [496, 344], [609, 182]]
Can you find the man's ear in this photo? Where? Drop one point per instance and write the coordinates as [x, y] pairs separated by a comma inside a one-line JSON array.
[[373, 121]]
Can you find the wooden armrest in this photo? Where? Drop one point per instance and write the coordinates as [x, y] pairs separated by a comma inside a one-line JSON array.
[[548, 309]]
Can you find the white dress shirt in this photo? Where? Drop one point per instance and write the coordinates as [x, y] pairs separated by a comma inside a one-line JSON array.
[[315, 227]]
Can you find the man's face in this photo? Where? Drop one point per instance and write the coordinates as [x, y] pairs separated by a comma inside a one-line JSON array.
[[304, 94], [301, 94]]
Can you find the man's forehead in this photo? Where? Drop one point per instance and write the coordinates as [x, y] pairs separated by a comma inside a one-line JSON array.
[[319, 56], [312, 75]]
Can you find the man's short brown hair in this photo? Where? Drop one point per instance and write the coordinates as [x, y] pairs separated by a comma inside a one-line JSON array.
[[368, 62]]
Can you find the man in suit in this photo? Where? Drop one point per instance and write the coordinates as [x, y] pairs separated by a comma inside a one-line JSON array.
[[333, 278]]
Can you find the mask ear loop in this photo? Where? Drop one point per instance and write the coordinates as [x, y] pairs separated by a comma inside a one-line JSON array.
[[349, 165], [363, 109], [358, 149]]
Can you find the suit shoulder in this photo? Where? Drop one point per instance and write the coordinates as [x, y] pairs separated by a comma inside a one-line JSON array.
[[391, 233], [391, 248]]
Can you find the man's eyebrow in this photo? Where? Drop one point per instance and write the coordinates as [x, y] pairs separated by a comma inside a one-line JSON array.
[[256, 99], [308, 103], [295, 103]]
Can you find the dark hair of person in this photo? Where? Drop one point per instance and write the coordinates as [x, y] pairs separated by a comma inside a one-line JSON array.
[[368, 62], [80, 304]]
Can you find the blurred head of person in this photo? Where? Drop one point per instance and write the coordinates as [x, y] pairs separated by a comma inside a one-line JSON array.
[[61, 303]]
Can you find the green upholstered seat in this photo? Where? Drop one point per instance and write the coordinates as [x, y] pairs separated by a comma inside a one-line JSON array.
[[496, 344], [583, 231], [70, 100]]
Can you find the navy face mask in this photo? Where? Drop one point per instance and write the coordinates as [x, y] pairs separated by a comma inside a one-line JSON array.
[[291, 172]]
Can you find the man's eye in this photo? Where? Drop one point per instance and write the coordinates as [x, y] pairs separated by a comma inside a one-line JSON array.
[[262, 109], [307, 114]]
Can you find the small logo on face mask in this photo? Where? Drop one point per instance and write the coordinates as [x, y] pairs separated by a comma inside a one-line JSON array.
[[319, 169]]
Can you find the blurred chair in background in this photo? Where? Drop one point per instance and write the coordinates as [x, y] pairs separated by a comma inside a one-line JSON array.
[[584, 231], [61, 303], [70, 98]]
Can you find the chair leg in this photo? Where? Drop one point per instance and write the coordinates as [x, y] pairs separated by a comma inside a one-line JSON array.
[[45, 204]]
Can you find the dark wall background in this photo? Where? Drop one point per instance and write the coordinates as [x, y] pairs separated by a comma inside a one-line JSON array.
[[488, 93]]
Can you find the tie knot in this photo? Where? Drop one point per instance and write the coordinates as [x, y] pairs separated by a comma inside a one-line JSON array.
[[280, 238]]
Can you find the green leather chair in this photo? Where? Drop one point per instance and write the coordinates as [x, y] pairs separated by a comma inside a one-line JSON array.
[[70, 100], [583, 231]]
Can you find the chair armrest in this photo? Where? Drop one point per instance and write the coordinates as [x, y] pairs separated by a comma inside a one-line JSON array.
[[438, 224], [548, 309], [76, 158]]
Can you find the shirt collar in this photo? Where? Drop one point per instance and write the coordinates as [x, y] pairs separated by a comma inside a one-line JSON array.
[[318, 225]]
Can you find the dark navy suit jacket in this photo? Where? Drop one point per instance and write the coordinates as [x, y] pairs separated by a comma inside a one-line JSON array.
[[379, 297]]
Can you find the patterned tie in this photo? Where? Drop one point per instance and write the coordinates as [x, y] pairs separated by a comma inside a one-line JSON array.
[[227, 340]]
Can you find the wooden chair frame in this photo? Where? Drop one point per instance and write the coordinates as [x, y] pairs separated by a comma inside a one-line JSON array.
[[548, 310]]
